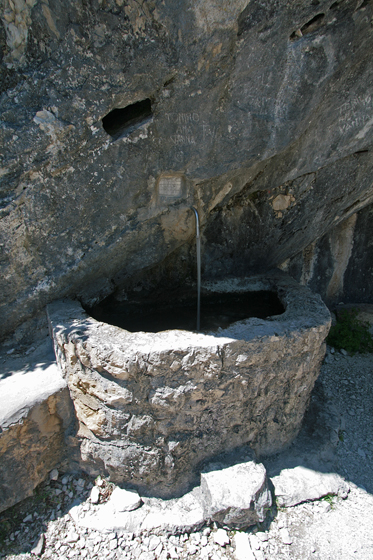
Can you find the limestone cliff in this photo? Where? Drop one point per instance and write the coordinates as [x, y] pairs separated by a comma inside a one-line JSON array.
[[117, 115]]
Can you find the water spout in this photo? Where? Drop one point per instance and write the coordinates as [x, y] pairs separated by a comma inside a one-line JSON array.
[[198, 250]]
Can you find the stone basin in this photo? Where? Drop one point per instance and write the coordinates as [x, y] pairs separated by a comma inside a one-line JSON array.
[[152, 407]]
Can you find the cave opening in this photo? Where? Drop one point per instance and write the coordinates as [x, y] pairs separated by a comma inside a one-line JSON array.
[[123, 121]]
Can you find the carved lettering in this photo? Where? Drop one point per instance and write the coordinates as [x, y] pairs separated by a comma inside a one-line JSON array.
[[355, 113], [187, 127], [182, 118], [184, 130], [182, 140], [208, 131]]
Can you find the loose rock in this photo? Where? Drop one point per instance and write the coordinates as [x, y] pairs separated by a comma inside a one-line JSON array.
[[300, 484], [39, 546], [221, 537], [236, 496], [95, 495], [243, 549], [124, 500], [53, 475], [285, 536]]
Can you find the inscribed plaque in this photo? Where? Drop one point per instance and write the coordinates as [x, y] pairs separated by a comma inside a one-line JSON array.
[[170, 187]]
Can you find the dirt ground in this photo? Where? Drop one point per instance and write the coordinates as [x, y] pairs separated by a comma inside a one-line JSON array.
[[337, 437]]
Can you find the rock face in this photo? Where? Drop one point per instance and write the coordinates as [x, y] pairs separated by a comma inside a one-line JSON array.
[[116, 116], [152, 407]]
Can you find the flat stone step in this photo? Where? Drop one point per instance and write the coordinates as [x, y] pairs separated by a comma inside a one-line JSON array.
[[236, 496]]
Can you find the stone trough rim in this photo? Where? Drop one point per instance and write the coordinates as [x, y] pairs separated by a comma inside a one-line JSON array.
[[275, 325]]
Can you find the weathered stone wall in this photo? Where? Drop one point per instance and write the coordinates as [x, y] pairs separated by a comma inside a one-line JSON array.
[[261, 112], [339, 265], [152, 407]]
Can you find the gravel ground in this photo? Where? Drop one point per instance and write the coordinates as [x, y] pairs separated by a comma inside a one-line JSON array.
[[337, 436]]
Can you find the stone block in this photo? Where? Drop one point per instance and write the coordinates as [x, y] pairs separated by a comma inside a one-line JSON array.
[[174, 516], [301, 484], [35, 412], [236, 496]]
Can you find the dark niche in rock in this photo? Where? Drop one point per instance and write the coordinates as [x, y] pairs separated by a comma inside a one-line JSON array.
[[121, 122], [309, 27], [364, 4], [218, 310]]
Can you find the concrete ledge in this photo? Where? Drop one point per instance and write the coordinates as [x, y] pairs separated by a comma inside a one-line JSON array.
[[35, 412]]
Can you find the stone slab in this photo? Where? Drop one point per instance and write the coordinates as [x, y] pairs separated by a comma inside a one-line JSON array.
[[22, 389], [35, 412], [235, 496], [180, 515], [301, 484]]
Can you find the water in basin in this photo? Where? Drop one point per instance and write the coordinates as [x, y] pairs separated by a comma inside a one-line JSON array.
[[217, 310]]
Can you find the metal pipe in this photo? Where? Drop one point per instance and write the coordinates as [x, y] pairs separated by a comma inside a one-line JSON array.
[[198, 250], [197, 220]]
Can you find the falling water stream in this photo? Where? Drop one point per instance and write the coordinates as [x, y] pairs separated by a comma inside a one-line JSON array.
[[160, 314], [198, 250]]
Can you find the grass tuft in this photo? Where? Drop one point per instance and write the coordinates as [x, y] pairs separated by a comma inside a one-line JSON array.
[[350, 334]]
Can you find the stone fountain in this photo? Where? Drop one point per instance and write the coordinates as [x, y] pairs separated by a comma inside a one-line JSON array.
[[153, 407]]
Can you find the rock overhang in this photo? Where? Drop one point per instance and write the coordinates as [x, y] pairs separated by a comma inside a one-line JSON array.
[[230, 114]]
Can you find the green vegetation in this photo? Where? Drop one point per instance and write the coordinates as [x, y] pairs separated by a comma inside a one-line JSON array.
[[341, 435], [330, 499], [278, 506], [350, 334]]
